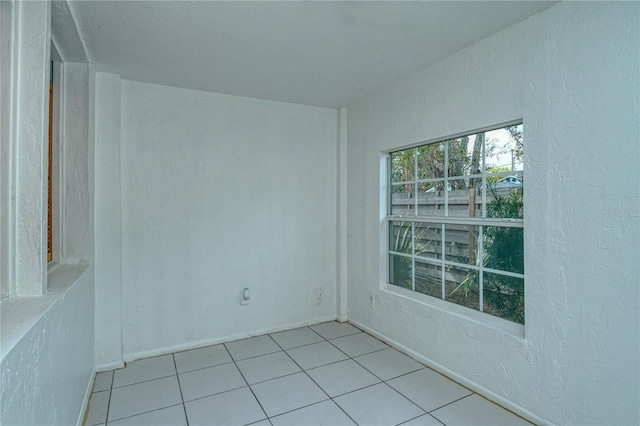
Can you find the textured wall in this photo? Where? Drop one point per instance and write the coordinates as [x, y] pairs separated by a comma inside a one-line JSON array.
[[30, 111], [47, 340], [76, 208], [107, 223], [571, 73], [46, 375], [221, 193]]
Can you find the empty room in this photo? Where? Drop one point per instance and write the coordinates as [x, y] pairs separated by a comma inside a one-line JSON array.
[[331, 212]]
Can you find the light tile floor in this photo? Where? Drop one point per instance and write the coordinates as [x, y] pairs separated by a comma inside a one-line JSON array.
[[326, 374]]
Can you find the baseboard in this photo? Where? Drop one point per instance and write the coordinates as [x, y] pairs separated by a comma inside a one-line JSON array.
[[85, 401], [456, 377], [110, 366], [215, 341]]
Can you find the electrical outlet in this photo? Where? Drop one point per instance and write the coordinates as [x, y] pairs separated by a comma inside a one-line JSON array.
[[372, 301], [245, 297], [320, 294]]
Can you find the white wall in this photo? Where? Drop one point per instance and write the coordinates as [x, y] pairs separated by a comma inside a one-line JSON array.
[[107, 223], [46, 376], [571, 73], [76, 201], [220, 193], [47, 339]]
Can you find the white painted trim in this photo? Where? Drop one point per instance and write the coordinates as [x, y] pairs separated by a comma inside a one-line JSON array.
[[33, 32], [85, 401], [485, 393], [341, 217], [7, 148], [115, 365], [214, 341], [505, 223], [57, 178], [384, 209], [483, 319]]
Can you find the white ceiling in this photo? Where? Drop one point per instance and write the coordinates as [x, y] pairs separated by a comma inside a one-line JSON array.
[[315, 53]]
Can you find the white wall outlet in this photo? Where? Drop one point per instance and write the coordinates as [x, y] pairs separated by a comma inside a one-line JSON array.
[[372, 301], [245, 297], [320, 294]]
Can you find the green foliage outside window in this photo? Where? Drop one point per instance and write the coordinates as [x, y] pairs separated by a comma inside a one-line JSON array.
[[503, 250]]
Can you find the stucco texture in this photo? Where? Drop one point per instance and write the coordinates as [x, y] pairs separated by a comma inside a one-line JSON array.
[[571, 74]]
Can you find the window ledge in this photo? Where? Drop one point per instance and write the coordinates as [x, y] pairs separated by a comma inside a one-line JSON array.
[[19, 314], [484, 320]]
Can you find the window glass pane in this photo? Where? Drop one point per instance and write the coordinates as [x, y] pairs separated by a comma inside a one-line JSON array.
[[465, 155], [474, 208], [505, 202], [504, 297], [429, 278], [431, 161], [459, 198], [504, 149], [461, 244], [428, 240], [400, 270], [469, 177], [461, 287], [402, 201], [403, 165], [458, 159], [504, 248], [400, 237], [431, 199]]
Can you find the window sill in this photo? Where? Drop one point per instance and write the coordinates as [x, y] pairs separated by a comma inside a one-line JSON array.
[[19, 314], [485, 320]]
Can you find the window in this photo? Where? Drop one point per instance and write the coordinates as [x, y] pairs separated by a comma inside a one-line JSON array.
[[456, 221]]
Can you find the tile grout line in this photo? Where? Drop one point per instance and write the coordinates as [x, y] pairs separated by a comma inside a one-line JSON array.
[[376, 376], [337, 337], [417, 417], [204, 368], [245, 380], [452, 402], [216, 393], [184, 407], [144, 381], [138, 360], [385, 382], [319, 387], [352, 359], [243, 359], [146, 412], [398, 392], [406, 374], [147, 381], [113, 378], [392, 378]]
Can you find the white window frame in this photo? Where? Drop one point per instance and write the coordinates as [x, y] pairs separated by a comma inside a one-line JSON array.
[[57, 175], [27, 161], [388, 218]]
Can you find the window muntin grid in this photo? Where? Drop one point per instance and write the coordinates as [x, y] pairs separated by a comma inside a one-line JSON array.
[[456, 221]]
